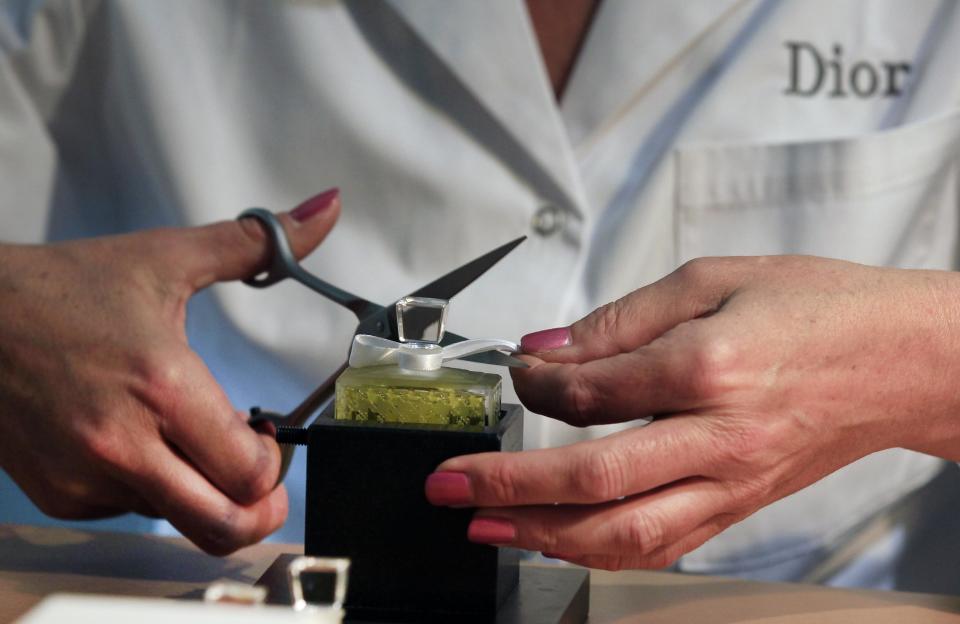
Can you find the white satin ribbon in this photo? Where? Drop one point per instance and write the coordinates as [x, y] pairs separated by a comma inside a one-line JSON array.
[[375, 351]]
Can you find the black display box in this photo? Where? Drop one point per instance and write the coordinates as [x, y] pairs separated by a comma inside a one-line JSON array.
[[410, 561]]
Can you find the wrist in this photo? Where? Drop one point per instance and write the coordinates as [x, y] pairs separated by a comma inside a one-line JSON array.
[[930, 344]]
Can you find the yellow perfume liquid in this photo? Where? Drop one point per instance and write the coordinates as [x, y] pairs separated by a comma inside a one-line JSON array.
[[446, 396]]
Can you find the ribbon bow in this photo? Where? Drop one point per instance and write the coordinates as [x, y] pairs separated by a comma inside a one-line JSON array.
[[375, 351]]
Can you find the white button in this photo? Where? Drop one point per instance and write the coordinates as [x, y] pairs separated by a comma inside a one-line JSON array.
[[548, 220]]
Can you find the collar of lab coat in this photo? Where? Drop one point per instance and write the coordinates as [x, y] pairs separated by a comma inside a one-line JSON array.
[[479, 63], [631, 46]]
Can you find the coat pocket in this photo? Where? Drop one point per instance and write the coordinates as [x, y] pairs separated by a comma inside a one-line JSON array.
[[888, 198]]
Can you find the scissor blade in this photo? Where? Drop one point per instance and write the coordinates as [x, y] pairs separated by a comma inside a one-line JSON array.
[[458, 279], [497, 358]]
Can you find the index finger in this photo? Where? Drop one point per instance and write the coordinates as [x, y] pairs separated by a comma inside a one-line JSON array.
[[694, 290], [596, 471]]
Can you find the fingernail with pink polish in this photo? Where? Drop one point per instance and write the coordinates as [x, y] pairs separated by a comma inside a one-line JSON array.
[[449, 489], [491, 531], [315, 205], [546, 340]]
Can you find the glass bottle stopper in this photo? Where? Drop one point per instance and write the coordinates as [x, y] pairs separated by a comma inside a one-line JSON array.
[[421, 319]]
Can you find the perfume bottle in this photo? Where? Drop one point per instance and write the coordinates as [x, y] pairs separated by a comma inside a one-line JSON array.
[[408, 382]]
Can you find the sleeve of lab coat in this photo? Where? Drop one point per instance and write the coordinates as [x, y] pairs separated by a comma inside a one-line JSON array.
[[40, 41]]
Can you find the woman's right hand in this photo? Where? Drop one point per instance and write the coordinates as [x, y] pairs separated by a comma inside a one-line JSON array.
[[106, 409]]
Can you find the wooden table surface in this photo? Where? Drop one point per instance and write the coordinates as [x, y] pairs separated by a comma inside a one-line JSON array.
[[35, 562]]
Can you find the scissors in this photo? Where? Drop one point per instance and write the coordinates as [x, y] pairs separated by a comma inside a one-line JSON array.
[[373, 319]]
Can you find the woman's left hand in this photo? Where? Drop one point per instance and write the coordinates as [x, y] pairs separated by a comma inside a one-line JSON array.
[[763, 375]]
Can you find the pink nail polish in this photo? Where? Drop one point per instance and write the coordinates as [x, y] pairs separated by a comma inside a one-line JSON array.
[[491, 531], [449, 489], [546, 340], [315, 205]]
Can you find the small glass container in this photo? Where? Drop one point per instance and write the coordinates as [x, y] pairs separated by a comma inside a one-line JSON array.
[[407, 383]]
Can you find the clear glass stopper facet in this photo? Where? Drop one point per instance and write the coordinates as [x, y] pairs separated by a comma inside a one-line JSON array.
[[421, 319]]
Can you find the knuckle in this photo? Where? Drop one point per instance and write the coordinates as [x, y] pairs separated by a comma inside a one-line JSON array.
[[747, 443], [750, 464], [604, 320], [107, 447], [581, 401], [696, 271], [546, 538], [250, 231], [162, 380], [749, 494], [601, 476], [643, 532], [102, 438], [166, 375], [501, 483], [712, 368]]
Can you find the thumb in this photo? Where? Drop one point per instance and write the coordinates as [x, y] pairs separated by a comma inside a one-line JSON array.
[[696, 289], [231, 250]]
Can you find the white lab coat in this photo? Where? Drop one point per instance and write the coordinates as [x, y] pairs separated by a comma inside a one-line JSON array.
[[707, 127]]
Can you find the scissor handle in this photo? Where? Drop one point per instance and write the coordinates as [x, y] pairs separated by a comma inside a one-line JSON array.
[[283, 264]]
